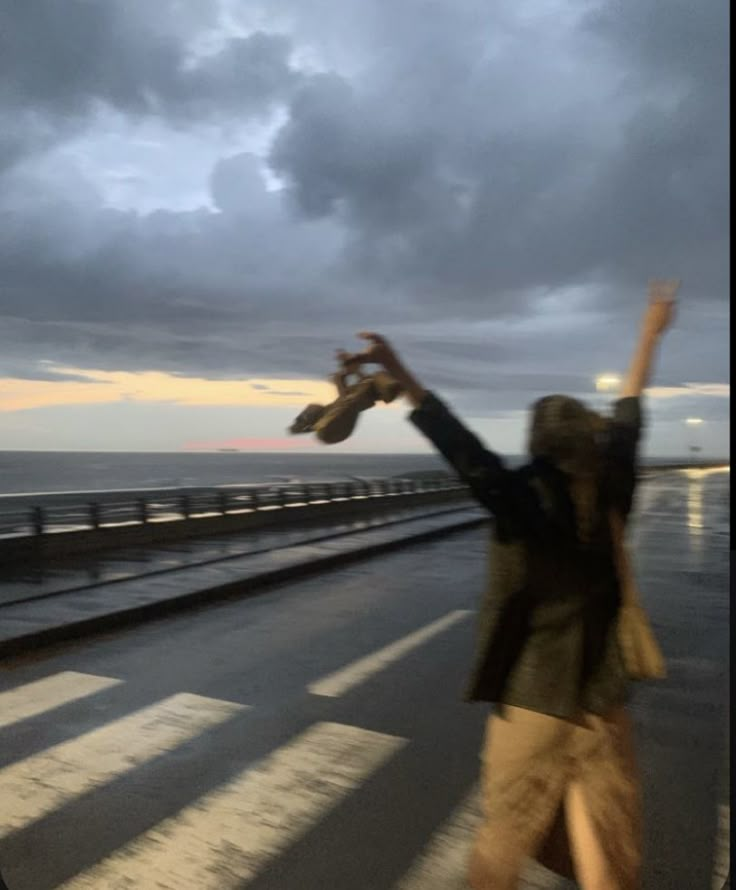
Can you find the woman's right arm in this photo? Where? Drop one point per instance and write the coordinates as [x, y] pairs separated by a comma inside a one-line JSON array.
[[625, 428], [657, 318]]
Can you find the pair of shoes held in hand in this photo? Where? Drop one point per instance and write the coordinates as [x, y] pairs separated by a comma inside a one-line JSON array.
[[335, 422]]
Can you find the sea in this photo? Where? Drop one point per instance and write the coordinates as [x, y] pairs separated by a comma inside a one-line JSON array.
[[32, 472]]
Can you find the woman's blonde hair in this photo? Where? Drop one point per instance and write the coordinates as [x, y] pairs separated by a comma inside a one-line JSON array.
[[567, 433]]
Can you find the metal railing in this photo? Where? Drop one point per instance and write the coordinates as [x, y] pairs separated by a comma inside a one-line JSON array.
[[23, 515], [47, 513]]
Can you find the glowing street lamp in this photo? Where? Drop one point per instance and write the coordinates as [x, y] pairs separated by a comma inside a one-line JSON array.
[[693, 423], [607, 382]]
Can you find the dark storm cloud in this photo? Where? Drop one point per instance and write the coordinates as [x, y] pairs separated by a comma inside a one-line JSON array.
[[452, 192], [62, 57], [460, 163], [62, 61], [45, 374]]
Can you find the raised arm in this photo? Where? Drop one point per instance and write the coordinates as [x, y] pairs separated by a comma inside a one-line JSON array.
[[481, 469], [657, 318], [626, 424]]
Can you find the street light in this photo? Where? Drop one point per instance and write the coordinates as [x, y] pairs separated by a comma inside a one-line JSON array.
[[694, 423], [607, 382]]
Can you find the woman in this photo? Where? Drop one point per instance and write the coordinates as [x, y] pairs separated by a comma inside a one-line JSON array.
[[559, 776]]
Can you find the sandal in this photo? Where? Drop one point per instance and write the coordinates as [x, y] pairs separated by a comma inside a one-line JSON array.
[[335, 422]]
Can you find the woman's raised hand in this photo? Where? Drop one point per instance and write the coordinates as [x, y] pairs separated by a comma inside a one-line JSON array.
[[379, 353], [661, 310], [665, 290]]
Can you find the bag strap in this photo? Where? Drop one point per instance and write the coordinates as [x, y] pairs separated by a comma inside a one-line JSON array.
[[629, 595]]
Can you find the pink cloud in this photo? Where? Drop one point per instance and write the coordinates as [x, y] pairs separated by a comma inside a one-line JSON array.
[[251, 444]]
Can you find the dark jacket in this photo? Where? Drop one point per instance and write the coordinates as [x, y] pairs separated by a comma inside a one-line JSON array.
[[547, 632]]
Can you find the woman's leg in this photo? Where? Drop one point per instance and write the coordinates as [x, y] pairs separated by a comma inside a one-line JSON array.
[[602, 806], [523, 780], [500, 871], [591, 863]]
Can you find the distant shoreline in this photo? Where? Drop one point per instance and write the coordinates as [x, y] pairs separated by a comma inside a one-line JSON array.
[[240, 452], [24, 472]]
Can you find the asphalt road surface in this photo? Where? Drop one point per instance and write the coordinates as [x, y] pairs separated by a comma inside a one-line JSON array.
[[314, 736]]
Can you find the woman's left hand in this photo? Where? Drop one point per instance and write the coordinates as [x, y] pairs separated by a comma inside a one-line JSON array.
[[379, 352]]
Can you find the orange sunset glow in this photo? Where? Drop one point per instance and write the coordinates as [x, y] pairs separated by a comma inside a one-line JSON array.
[[100, 387]]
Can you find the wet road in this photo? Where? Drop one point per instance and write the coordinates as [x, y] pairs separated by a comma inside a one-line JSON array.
[[23, 582], [314, 737]]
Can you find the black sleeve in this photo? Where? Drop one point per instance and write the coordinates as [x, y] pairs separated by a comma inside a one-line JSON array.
[[480, 469], [623, 446]]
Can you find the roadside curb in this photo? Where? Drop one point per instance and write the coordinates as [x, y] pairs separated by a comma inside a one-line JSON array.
[[26, 639]]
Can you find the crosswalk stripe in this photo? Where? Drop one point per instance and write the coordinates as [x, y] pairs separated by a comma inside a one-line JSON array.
[[31, 788], [443, 863], [227, 836], [34, 698], [339, 682], [722, 863], [535, 877]]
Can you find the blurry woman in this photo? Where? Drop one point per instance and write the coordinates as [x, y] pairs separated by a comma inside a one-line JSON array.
[[559, 777]]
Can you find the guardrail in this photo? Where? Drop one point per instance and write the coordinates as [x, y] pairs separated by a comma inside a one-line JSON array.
[[51, 524], [55, 512], [37, 527], [49, 513]]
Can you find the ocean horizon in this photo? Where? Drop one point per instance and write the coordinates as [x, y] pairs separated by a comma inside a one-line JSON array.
[[55, 471]]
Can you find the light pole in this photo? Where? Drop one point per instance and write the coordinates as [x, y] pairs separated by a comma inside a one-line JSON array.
[[692, 423], [607, 383]]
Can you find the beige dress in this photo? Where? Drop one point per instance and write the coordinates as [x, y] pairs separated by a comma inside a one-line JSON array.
[[529, 762], [559, 751]]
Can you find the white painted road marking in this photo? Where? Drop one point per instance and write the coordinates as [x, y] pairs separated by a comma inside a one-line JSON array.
[[723, 847], [34, 698], [339, 682], [536, 877], [39, 784], [443, 865], [227, 836]]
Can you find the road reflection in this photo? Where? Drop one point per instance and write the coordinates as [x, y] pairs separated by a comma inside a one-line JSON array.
[[696, 477]]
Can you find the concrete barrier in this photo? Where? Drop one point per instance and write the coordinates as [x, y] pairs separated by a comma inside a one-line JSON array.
[[227, 511], [54, 545]]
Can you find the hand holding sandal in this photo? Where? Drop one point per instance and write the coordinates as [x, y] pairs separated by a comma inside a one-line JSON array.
[[335, 422]]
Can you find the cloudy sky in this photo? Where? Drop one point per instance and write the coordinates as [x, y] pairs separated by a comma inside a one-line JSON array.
[[201, 201]]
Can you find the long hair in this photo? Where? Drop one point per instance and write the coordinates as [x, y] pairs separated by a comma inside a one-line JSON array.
[[567, 433]]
